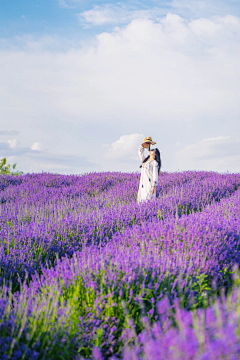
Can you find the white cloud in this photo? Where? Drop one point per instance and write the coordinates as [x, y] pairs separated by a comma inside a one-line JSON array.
[[12, 143], [137, 71], [100, 16], [194, 6], [65, 4], [9, 132], [123, 12], [117, 14], [6, 145], [29, 159], [36, 146], [204, 8], [62, 162], [225, 27], [125, 148], [217, 154]]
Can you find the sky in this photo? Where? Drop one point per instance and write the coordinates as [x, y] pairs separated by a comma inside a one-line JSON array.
[[83, 82]]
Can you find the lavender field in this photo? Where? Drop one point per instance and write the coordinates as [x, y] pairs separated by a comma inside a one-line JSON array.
[[87, 273]]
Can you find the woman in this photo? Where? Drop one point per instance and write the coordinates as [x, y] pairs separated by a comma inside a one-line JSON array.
[[151, 166]]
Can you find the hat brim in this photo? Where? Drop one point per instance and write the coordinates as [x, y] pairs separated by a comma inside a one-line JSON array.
[[149, 142]]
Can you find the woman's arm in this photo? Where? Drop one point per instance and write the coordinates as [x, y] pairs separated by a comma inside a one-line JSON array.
[[155, 174], [141, 153]]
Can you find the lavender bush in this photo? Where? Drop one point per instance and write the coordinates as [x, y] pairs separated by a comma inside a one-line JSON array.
[[86, 272]]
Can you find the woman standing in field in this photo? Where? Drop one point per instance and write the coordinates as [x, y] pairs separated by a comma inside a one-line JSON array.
[[150, 169]]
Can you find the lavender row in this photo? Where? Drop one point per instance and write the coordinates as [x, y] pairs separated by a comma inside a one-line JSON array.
[[91, 185], [53, 224]]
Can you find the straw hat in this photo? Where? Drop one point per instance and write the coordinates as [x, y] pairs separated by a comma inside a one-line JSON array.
[[148, 140]]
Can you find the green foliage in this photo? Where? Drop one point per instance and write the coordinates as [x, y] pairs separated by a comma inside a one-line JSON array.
[[46, 327], [202, 289], [6, 169], [129, 306]]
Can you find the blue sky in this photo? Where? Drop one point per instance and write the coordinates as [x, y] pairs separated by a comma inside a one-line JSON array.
[[50, 17], [82, 82], [61, 17]]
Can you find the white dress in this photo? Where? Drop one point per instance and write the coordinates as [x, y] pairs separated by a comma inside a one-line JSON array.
[[149, 177]]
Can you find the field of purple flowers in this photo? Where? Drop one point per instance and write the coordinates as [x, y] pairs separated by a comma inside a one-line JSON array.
[[87, 273]]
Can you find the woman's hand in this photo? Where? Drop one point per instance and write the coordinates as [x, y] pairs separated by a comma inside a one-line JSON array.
[[146, 145], [152, 190]]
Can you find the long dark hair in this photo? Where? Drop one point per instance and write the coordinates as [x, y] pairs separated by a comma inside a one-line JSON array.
[[157, 158]]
